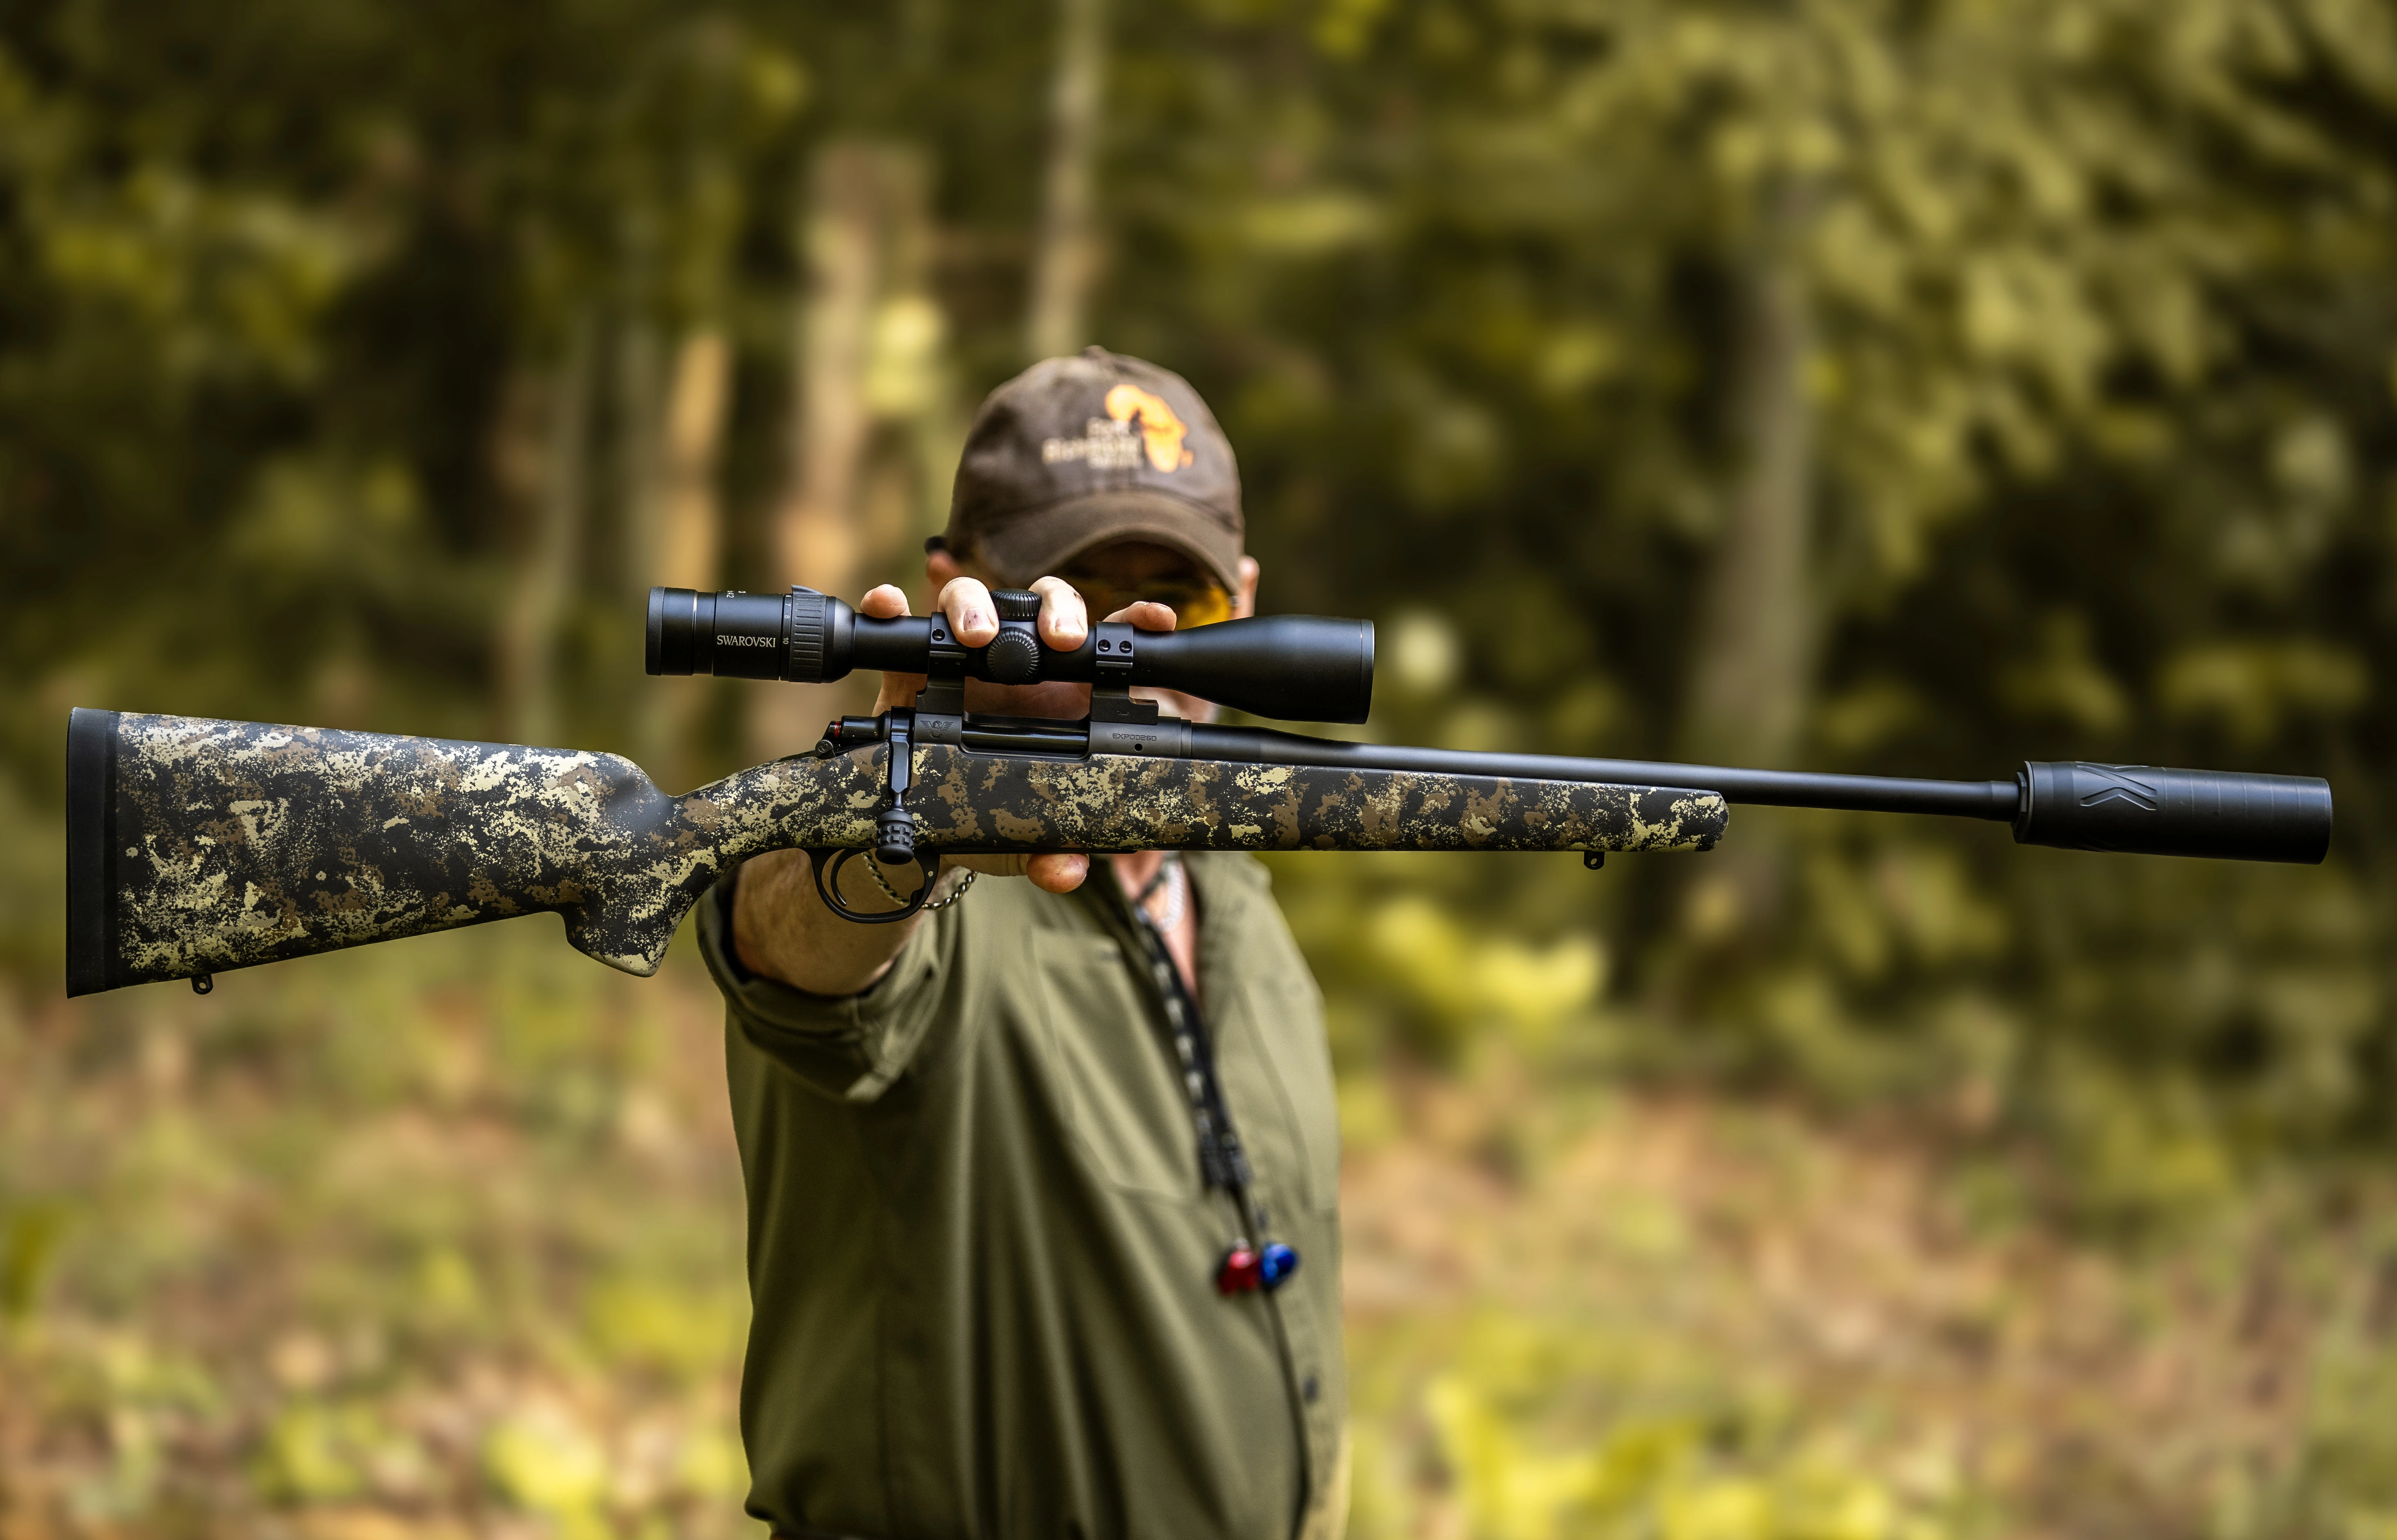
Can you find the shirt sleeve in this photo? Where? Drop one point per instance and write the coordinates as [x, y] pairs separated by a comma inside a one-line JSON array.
[[851, 1047]]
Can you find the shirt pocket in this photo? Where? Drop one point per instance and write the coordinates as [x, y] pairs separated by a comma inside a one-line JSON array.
[[1128, 1111], [1277, 1078]]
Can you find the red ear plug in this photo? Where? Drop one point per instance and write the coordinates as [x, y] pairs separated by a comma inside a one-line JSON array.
[[1240, 1272]]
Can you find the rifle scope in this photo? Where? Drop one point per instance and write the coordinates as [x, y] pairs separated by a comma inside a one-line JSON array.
[[1309, 668]]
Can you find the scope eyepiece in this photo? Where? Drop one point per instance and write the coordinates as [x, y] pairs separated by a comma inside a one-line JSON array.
[[1311, 668]]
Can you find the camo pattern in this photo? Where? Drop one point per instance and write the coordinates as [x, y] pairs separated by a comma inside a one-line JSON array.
[[240, 843]]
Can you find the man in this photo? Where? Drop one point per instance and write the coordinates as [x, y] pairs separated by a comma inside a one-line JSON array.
[[1016, 1166]]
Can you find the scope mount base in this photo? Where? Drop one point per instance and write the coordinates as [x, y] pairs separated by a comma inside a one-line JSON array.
[[1114, 704]]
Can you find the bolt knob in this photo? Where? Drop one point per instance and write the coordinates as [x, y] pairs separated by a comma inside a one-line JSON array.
[[1016, 604], [894, 836], [1013, 659]]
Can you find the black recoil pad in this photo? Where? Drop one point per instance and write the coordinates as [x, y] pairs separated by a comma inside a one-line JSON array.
[[91, 851], [2146, 809]]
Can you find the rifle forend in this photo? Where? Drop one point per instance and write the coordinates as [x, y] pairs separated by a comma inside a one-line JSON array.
[[194, 845]]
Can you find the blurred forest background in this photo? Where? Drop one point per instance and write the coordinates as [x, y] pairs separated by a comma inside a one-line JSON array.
[[1886, 385]]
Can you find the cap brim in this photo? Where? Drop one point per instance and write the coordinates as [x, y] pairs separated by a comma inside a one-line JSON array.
[[1033, 545]]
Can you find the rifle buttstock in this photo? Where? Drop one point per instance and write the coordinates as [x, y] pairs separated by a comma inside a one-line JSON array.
[[197, 846]]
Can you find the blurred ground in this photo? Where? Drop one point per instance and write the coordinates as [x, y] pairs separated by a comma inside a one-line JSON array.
[[429, 1241], [1661, 1314], [444, 1239], [1900, 388]]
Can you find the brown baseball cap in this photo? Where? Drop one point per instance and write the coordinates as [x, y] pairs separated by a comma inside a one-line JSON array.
[[1085, 451]]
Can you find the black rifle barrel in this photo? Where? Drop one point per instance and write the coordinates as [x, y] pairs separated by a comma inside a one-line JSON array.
[[2134, 808], [1990, 799]]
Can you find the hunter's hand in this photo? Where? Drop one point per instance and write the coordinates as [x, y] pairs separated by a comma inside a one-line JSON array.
[[1064, 624]]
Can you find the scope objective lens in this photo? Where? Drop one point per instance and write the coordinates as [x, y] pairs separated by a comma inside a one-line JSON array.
[[731, 635]]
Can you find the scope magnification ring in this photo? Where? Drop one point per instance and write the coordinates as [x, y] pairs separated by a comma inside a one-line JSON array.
[[804, 621]]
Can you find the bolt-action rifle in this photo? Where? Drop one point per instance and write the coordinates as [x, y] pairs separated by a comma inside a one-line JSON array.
[[196, 846]]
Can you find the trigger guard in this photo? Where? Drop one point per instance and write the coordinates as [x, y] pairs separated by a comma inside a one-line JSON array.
[[827, 875]]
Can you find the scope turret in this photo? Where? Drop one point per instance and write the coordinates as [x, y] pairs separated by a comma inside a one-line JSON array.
[[1311, 668]]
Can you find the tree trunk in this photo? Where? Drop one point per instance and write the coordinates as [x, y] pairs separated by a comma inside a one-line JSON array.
[[544, 452], [1067, 260], [866, 234], [1755, 656], [913, 461], [637, 430], [1753, 668], [677, 530], [695, 421]]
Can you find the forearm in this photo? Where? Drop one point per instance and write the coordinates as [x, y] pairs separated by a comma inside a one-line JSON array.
[[782, 930]]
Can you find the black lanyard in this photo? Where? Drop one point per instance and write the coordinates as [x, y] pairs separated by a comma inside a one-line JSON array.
[[1245, 1268], [1222, 1162]]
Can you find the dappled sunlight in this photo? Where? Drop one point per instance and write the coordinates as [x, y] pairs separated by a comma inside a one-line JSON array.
[[1904, 390]]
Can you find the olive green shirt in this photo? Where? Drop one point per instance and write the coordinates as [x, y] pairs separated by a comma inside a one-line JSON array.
[[981, 1256]]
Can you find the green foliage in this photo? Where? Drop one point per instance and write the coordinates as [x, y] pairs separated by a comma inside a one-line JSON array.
[[2100, 385], [29, 1239], [2098, 390], [1684, 1455], [1664, 1480], [379, 1235], [2100, 379], [272, 283]]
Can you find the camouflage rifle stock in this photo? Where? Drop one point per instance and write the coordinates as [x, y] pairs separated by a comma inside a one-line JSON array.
[[197, 846]]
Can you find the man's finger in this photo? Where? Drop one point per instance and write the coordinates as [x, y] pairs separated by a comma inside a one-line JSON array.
[[1057, 874], [1146, 615], [885, 602], [968, 605], [1065, 620]]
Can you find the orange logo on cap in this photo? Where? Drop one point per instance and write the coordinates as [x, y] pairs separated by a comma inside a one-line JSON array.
[[1160, 429]]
